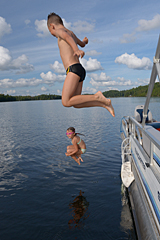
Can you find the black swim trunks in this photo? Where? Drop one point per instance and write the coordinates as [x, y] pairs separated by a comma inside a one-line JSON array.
[[77, 69]]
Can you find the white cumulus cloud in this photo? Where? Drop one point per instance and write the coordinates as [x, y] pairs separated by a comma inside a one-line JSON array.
[[10, 92], [91, 65], [147, 25], [20, 64], [103, 80], [42, 29], [100, 83], [5, 58], [79, 26], [101, 77], [89, 90], [141, 82], [134, 62], [5, 28], [44, 89], [50, 78], [22, 82], [58, 67]]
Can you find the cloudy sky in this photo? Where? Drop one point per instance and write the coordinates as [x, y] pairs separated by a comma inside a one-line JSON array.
[[122, 35]]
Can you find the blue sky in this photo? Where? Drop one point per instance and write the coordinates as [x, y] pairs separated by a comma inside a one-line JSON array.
[[122, 35]]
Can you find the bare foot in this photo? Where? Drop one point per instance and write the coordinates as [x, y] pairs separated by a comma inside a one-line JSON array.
[[80, 159], [76, 159], [111, 110], [106, 102]]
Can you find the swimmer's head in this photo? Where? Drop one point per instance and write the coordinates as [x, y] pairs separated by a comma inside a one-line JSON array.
[[72, 129], [54, 18], [70, 132]]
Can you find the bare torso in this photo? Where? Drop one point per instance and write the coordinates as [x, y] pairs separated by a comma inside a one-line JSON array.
[[66, 52], [81, 144]]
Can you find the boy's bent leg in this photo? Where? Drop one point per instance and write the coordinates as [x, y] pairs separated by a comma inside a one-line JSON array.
[[70, 88], [101, 101], [69, 98]]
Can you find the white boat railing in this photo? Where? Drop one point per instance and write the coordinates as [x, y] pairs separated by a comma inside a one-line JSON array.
[[142, 135], [125, 148], [151, 137], [140, 170]]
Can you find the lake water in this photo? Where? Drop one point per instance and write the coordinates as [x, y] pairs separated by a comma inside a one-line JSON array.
[[46, 195]]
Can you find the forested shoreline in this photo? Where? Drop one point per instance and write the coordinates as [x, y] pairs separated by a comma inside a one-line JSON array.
[[8, 98], [140, 91]]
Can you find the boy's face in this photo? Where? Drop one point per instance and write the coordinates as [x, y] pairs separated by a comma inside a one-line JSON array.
[[51, 28]]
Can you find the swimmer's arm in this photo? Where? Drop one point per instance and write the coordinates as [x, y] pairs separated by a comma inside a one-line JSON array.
[[69, 39], [81, 43], [72, 43]]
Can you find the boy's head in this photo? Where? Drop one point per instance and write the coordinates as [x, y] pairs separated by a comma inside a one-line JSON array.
[[54, 18]]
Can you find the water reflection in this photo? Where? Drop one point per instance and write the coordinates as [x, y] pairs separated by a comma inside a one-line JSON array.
[[79, 208], [126, 217]]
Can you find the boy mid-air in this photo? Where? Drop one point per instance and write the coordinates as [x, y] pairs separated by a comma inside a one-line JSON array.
[[70, 53]]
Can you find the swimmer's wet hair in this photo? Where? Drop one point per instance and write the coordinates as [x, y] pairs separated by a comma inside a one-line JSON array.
[[73, 130], [54, 18]]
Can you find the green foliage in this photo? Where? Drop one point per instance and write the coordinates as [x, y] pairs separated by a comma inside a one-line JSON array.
[[140, 91], [7, 98]]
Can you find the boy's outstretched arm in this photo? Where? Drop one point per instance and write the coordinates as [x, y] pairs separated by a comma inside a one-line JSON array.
[[85, 40], [81, 43]]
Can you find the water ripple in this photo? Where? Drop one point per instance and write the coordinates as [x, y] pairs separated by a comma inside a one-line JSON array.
[[48, 195]]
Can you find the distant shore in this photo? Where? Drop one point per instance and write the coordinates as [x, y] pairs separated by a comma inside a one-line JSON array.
[[140, 91], [8, 98]]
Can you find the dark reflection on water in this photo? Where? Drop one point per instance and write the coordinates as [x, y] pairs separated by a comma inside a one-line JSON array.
[[126, 216], [41, 189], [79, 207]]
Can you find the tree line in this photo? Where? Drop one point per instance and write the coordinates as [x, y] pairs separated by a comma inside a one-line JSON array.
[[8, 98], [140, 91]]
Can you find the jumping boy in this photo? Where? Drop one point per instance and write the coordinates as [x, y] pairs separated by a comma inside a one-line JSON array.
[[70, 53]]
